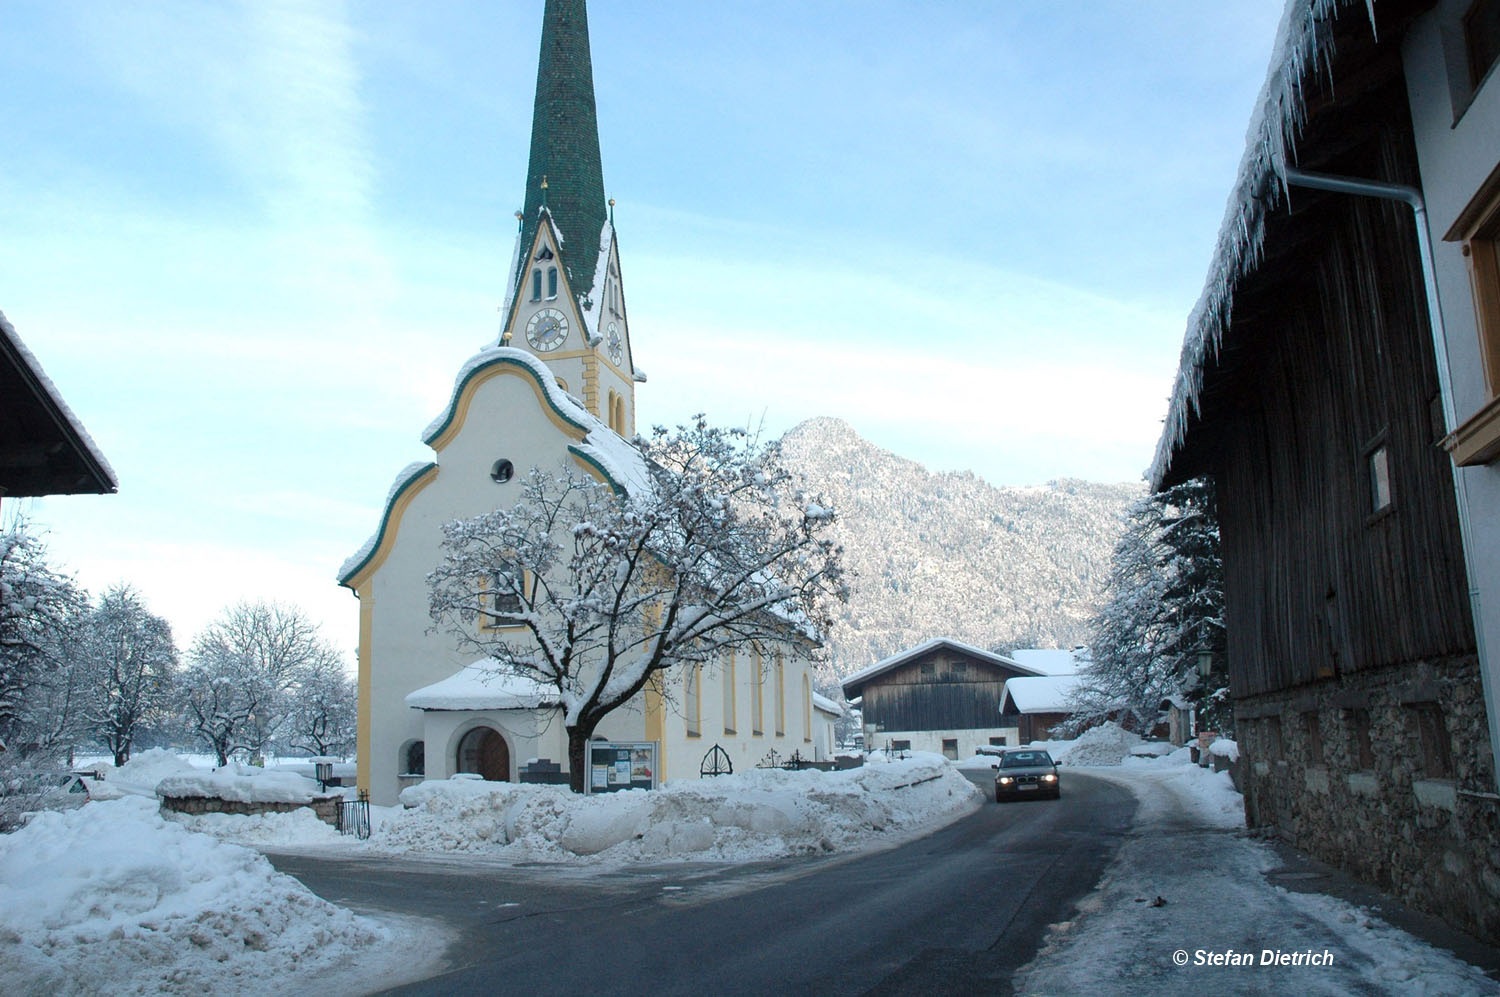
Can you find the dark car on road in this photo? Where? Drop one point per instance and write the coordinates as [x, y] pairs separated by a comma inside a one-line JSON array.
[[1026, 772]]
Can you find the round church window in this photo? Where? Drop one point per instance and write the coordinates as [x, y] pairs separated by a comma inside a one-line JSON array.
[[503, 471]]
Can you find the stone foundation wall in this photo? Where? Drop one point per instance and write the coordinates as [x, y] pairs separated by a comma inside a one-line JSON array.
[[327, 807], [1388, 774]]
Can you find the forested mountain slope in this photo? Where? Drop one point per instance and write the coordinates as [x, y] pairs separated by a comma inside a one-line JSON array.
[[950, 555]]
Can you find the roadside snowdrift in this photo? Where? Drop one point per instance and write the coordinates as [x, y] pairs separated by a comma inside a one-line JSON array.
[[751, 815], [112, 899]]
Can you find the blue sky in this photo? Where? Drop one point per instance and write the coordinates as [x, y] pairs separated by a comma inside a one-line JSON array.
[[253, 242]]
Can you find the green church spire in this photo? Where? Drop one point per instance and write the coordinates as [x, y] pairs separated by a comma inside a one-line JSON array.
[[565, 145]]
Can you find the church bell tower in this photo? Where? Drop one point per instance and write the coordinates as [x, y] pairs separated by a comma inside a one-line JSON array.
[[565, 301]]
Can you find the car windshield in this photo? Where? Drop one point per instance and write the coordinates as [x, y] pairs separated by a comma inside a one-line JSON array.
[[1023, 759]]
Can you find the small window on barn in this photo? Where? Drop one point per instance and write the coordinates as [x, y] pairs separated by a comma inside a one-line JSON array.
[[1378, 463], [998, 742], [1272, 735], [901, 745], [1481, 39], [1361, 750], [950, 748], [1312, 731], [1432, 737], [929, 668]]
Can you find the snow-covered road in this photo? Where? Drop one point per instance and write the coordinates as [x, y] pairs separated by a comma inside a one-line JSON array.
[[1216, 909]]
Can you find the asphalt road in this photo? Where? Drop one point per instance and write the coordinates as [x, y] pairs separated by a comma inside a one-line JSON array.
[[954, 912]]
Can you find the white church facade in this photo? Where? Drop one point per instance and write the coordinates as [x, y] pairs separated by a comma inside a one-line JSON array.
[[556, 389]]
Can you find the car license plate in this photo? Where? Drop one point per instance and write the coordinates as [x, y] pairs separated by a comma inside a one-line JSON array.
[[1024, 788]]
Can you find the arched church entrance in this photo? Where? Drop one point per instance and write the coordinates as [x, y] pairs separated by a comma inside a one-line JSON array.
[[483, 751]]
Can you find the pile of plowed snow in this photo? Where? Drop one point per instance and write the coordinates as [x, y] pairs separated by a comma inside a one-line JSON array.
[[751, 815], [1107, 744], [111, 899]]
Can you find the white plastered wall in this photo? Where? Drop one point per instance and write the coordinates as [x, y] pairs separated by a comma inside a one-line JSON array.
[[1455, 157]]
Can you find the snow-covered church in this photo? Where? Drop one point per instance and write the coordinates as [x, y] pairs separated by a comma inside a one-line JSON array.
[[558, 385]]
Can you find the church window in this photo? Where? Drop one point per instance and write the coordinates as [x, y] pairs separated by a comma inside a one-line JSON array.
[[757, 695], [551, 282], [780, 696], [620, 414], [692, 699], [536, 285], [500, 596], [502, 471], [727, 677], [806, 709], [413, 759]]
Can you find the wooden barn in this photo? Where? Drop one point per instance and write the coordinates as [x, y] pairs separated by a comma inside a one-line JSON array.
[[1315, 391], [941, 696]]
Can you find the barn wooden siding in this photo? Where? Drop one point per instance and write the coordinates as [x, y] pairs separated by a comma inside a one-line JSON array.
[[1330, 355], [958, 694]]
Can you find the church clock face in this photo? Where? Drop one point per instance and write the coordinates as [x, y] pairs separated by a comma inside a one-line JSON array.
[[615, 343], [547, 330]]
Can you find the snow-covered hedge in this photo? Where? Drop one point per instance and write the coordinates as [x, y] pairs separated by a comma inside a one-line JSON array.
[[750, 815], [114, 899]]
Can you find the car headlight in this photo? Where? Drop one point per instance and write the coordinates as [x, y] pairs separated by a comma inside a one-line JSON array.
[[1049, 777], [1005, 780]]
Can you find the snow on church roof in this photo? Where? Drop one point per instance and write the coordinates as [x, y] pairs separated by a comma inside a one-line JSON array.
[[827, 705], [618, 459], [1042, 694], [483, 686], [1302, 40]]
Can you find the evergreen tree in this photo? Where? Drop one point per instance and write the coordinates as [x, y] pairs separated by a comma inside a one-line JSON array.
[[1164, 615]]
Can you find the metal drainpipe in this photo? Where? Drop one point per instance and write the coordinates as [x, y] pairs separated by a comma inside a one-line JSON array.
[[1413, 197]]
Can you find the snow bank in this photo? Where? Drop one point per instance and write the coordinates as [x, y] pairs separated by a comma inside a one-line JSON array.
[[112, 899], [294, 829], [1107, 744], [140, 775], [1225, 748], [752, 815], [243, 784]]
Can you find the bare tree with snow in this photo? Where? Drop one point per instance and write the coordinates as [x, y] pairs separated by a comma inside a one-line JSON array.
[[39, 613], [593, 594], [243, 671], [324, 713], [130, 661]]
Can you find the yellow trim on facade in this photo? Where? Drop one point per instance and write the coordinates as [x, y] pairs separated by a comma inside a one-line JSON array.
[[359, 581], [591, 383], [362, 745], [461, 408], [656, 726]]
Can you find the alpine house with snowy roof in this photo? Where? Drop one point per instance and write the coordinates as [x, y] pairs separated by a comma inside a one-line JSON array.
[[941, 696], [557, 387], [1340, 382]]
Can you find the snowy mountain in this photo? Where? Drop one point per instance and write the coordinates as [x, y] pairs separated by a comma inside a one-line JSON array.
[[950, 555]]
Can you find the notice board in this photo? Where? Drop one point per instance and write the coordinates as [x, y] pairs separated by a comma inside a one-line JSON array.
[[616, 765]]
